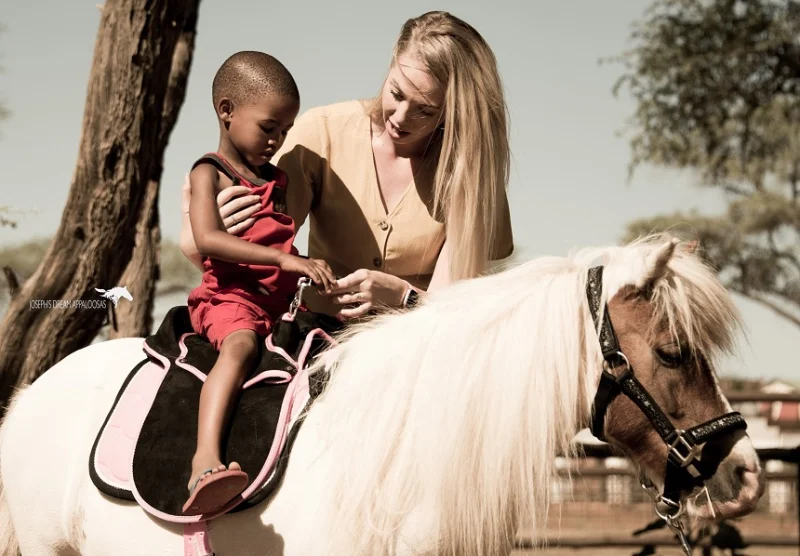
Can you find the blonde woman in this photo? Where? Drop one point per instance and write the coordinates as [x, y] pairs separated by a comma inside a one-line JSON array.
[[405, 192]]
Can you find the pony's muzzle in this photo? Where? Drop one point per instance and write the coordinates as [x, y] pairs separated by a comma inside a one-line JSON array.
[[735, 488]]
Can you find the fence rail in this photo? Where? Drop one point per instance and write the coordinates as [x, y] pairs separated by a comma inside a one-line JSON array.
[[611, 541]]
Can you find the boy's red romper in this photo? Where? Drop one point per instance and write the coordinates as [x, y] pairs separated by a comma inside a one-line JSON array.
[[237, 296]]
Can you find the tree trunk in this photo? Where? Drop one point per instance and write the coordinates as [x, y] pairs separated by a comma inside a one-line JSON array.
[[142, 271], [121, 148]]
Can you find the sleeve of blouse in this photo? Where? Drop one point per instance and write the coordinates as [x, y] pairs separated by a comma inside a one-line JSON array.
[[300, 157], [504, 244]]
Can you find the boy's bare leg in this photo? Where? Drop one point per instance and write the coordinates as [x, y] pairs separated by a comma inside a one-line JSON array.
[[236, 356]]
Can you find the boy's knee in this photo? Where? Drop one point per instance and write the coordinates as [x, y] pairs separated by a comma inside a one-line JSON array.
[[242, 344]]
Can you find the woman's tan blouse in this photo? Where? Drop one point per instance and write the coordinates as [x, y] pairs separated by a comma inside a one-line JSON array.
[[328, 158]]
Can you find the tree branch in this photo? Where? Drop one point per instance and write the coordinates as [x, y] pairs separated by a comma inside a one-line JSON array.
[[13, 282], [780, 310]]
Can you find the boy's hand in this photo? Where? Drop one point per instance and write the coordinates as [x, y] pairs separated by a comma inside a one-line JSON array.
[[318, 270]]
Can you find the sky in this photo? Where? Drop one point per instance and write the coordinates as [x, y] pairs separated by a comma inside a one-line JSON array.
[[569, 186]]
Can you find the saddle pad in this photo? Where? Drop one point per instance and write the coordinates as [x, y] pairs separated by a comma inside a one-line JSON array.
[[143, 451]]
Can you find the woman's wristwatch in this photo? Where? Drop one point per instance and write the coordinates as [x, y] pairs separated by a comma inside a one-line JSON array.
[[411, 297]]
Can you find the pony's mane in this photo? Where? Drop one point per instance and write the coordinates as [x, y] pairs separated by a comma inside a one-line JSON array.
[[460, 406]]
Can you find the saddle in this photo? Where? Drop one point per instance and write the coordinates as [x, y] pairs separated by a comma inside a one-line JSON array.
[[143, 450]]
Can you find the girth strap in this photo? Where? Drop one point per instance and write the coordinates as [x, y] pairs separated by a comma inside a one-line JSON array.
[[195, 539]]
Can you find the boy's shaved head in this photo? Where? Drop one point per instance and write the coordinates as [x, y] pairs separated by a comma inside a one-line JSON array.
[[247, 75]]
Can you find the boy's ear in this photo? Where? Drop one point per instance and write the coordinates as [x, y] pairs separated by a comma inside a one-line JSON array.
[[225, 110]]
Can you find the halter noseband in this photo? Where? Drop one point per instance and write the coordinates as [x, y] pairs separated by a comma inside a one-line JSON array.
[[684, 468]]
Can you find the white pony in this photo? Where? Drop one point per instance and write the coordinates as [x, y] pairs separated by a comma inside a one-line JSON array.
[[437, 433]]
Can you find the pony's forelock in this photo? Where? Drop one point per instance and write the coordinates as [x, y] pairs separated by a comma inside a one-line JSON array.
[[689, 299]]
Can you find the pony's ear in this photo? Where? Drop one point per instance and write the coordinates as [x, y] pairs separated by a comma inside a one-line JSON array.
[[656, 264]]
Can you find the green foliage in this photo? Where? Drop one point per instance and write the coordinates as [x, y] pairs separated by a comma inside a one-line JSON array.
[[5, 218], [717, 87], [25, 257]]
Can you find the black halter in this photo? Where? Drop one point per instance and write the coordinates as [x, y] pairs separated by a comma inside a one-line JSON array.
[[684, 468]]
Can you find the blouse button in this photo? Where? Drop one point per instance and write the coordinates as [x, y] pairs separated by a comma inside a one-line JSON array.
[[383, 225], [377, 262]]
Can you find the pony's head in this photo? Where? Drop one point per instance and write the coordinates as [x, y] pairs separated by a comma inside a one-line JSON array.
[[672, 317]]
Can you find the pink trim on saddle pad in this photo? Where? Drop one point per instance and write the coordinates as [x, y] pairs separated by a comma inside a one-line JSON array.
[[183, 364], [288, 317], [301, 359], [280, 351], [294, 401], [273, 376], [114, 454]]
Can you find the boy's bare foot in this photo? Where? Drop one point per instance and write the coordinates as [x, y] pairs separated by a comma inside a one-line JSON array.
[[211, 488], [201, 470]]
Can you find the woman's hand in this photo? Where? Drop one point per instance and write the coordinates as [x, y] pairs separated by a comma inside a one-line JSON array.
[[236, 208], [368, 289]]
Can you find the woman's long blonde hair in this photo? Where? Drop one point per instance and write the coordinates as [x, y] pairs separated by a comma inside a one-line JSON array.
[[473, 154]]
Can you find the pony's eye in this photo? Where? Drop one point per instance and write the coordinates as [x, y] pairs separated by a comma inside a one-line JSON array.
[[673, 356]]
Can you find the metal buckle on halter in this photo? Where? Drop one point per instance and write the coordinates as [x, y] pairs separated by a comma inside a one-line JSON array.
[[607, 366], [297, 302], [659, 501], [675, 455]]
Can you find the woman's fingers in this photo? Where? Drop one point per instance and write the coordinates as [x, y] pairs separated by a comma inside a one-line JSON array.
[[236, 229], [355, 312], [230, 192], [233, 199], [240, 216], [348, 298], [350, 282]]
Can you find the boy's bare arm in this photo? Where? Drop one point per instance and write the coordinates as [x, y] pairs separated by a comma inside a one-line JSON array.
[[209, 231]]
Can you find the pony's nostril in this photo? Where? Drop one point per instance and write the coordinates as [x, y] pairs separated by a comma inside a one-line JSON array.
[[752, 487], [741, 472]]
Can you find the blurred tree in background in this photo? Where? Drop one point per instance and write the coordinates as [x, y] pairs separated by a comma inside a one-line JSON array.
[[717, 87]]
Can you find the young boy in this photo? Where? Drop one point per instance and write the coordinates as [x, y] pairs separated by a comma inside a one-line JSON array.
[[248, 281]]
